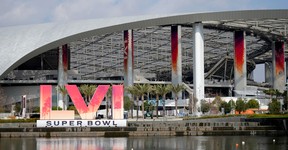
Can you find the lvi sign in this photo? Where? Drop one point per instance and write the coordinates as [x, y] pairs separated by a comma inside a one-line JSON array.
[[66, 118]]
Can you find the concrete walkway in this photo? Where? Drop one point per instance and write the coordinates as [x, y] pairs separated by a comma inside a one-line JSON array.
[[168, 118]]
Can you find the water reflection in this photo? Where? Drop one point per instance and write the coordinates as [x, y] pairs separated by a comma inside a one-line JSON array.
[[81, 143], [138, 143]]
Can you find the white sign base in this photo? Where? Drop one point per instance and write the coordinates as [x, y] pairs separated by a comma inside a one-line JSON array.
[[81, 123]]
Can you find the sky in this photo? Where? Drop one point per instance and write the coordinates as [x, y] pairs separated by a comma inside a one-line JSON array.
[[20, 12], [23, 12]]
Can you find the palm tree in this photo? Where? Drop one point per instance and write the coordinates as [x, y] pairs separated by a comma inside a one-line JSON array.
[[84, 90], [163, 91], [270, 92], [64, 93], [157, 90], [285, 97], [91, 91], [176, 89], [87, 91], [143, 90], [278, 93], [134, 92]]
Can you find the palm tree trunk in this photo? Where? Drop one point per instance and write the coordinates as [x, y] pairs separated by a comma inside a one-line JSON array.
[[111, 109], [107, 108], [137, 107], [131, 108], [132, 105], [176, 106], [157, 101], [64, 102], [142, 97], [164, 109]]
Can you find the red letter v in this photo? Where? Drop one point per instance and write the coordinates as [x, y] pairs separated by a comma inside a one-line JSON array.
[[84, 111]]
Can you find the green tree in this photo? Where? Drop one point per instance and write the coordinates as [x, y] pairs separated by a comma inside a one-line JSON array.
[[226, 106], [278, 93], [17, 108], [205, 106], [84, 89], [217, 101], [87, 91], [64, 93], [240, 105], [156, 90], [56, 108], [270, 92], [133, 90], [252, 103], [127, 103], [36, 109], [274, 106], [148, 106], [165, 89], [285, 106], [232, 104], [73, 108], [176, 89], [143, 90]]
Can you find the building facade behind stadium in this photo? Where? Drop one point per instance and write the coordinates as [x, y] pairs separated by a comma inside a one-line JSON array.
[[212, 53]]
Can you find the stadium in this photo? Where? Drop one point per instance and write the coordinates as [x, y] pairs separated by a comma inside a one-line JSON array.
[[214, 54]]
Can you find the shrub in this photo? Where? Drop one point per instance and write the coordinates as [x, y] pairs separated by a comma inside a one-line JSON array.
[[127, 103], [274, 107], [73, 108], [217, 101], [205, 106], [55, 108], [252, 103], [226, 106], [240, 105]]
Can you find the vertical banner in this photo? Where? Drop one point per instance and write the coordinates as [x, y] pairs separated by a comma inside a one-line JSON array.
[[24, 103], [128, 58], [176, 56], [117, 102], [240, 73], [278, 65], [45, 101]]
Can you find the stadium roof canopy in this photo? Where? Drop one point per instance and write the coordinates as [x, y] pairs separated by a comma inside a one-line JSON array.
[[21, 43]]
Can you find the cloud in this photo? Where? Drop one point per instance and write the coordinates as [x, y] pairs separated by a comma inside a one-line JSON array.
[[78, 9], [17, 12]]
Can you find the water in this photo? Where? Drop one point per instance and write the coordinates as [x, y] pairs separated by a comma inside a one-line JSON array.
[[148, 143]]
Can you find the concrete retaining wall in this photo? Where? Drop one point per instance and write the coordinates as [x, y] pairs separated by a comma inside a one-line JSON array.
[[146, 128]]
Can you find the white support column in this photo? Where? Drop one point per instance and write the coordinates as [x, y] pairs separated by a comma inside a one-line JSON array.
[[176, 56], [128, 58], [198, 65], [240, 69], [62, 75], [278, 61]]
